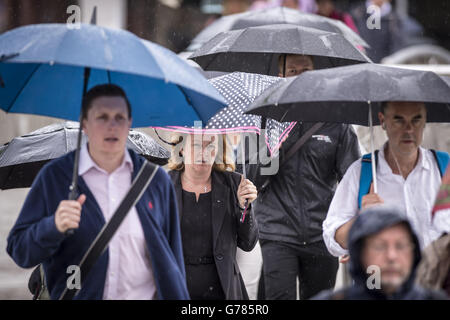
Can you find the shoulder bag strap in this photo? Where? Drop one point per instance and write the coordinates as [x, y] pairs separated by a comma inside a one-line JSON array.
[[140, 184], [308, 134]]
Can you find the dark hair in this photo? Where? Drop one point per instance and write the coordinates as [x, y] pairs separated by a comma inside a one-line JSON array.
[[383, 106], [108, 90]]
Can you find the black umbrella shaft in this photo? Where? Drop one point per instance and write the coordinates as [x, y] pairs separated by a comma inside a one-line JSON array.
[[74, 186], [73, 195]]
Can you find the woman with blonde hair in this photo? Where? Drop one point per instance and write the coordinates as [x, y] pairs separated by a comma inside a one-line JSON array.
[[211, 199]]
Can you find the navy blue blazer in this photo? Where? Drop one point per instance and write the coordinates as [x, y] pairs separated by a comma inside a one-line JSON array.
[[34, 238]]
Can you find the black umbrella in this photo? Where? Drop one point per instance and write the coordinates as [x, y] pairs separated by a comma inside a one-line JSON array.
[[207, 74], [23, 157], [353, 94], [343, 94], [279, 15], [446, 79], [256, 49]]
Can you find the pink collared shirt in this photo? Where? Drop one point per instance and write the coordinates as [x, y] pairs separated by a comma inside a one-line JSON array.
[[129, 274]]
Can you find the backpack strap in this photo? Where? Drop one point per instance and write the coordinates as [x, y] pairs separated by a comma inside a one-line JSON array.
[[366, 175], [442, 159]]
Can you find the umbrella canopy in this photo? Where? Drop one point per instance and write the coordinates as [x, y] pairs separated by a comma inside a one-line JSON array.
[[44, 67], [342, 94], [240, 89], [23, 157], [207, 74], [446, 79], [256, 49], [279, 15]]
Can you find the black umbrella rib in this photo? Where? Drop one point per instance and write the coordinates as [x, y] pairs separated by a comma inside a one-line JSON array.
[[213, 58], [23, 87], [188, 99]]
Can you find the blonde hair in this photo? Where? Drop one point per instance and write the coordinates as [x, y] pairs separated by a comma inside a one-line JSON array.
[[224, 160]]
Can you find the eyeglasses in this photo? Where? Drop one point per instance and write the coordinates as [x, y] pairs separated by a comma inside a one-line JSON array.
[[402, 123], [400, 247]]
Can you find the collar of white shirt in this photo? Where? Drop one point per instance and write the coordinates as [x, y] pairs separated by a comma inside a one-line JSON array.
[[423, 162], [86, 162]]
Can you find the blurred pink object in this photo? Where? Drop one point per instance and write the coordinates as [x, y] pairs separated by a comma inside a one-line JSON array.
[[304, 5]]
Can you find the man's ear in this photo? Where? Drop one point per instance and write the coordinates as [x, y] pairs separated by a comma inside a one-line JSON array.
[[381, 119]]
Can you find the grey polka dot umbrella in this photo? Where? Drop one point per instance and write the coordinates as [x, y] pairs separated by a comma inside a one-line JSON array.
[[239, 90]]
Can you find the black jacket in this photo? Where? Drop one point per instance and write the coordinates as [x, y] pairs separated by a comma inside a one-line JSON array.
[[228, 232], [370, 222], [295, 203]]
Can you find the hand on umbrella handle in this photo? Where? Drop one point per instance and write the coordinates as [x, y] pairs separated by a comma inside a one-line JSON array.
[[68, 214], [246, 191], [371, 199], [72, 196], [244, 212]]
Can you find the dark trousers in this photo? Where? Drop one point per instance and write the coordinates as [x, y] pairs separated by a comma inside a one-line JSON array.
[[283, 262]]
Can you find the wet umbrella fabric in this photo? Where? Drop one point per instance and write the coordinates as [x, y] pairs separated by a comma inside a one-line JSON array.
[[47, 75], [280, 15], [341, 95], [256, 49], [240, 89], [23, 157], [47, 68]]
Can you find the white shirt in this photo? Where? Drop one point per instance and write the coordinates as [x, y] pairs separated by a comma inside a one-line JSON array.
[[415, 196], [129, 274]]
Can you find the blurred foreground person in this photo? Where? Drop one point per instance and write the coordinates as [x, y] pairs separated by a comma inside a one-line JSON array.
[[384, 254]]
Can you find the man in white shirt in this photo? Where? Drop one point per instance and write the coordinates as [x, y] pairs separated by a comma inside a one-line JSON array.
[[408, 176]]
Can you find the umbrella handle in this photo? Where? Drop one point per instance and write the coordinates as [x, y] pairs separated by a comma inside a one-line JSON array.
[[244, 212], [74, 186], [72, 196], [244, 173], [374, 170]]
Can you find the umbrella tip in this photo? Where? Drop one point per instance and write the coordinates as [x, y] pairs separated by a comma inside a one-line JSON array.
[[94, 16]]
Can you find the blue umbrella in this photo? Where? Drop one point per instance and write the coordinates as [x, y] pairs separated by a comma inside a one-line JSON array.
[[45, 69]]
